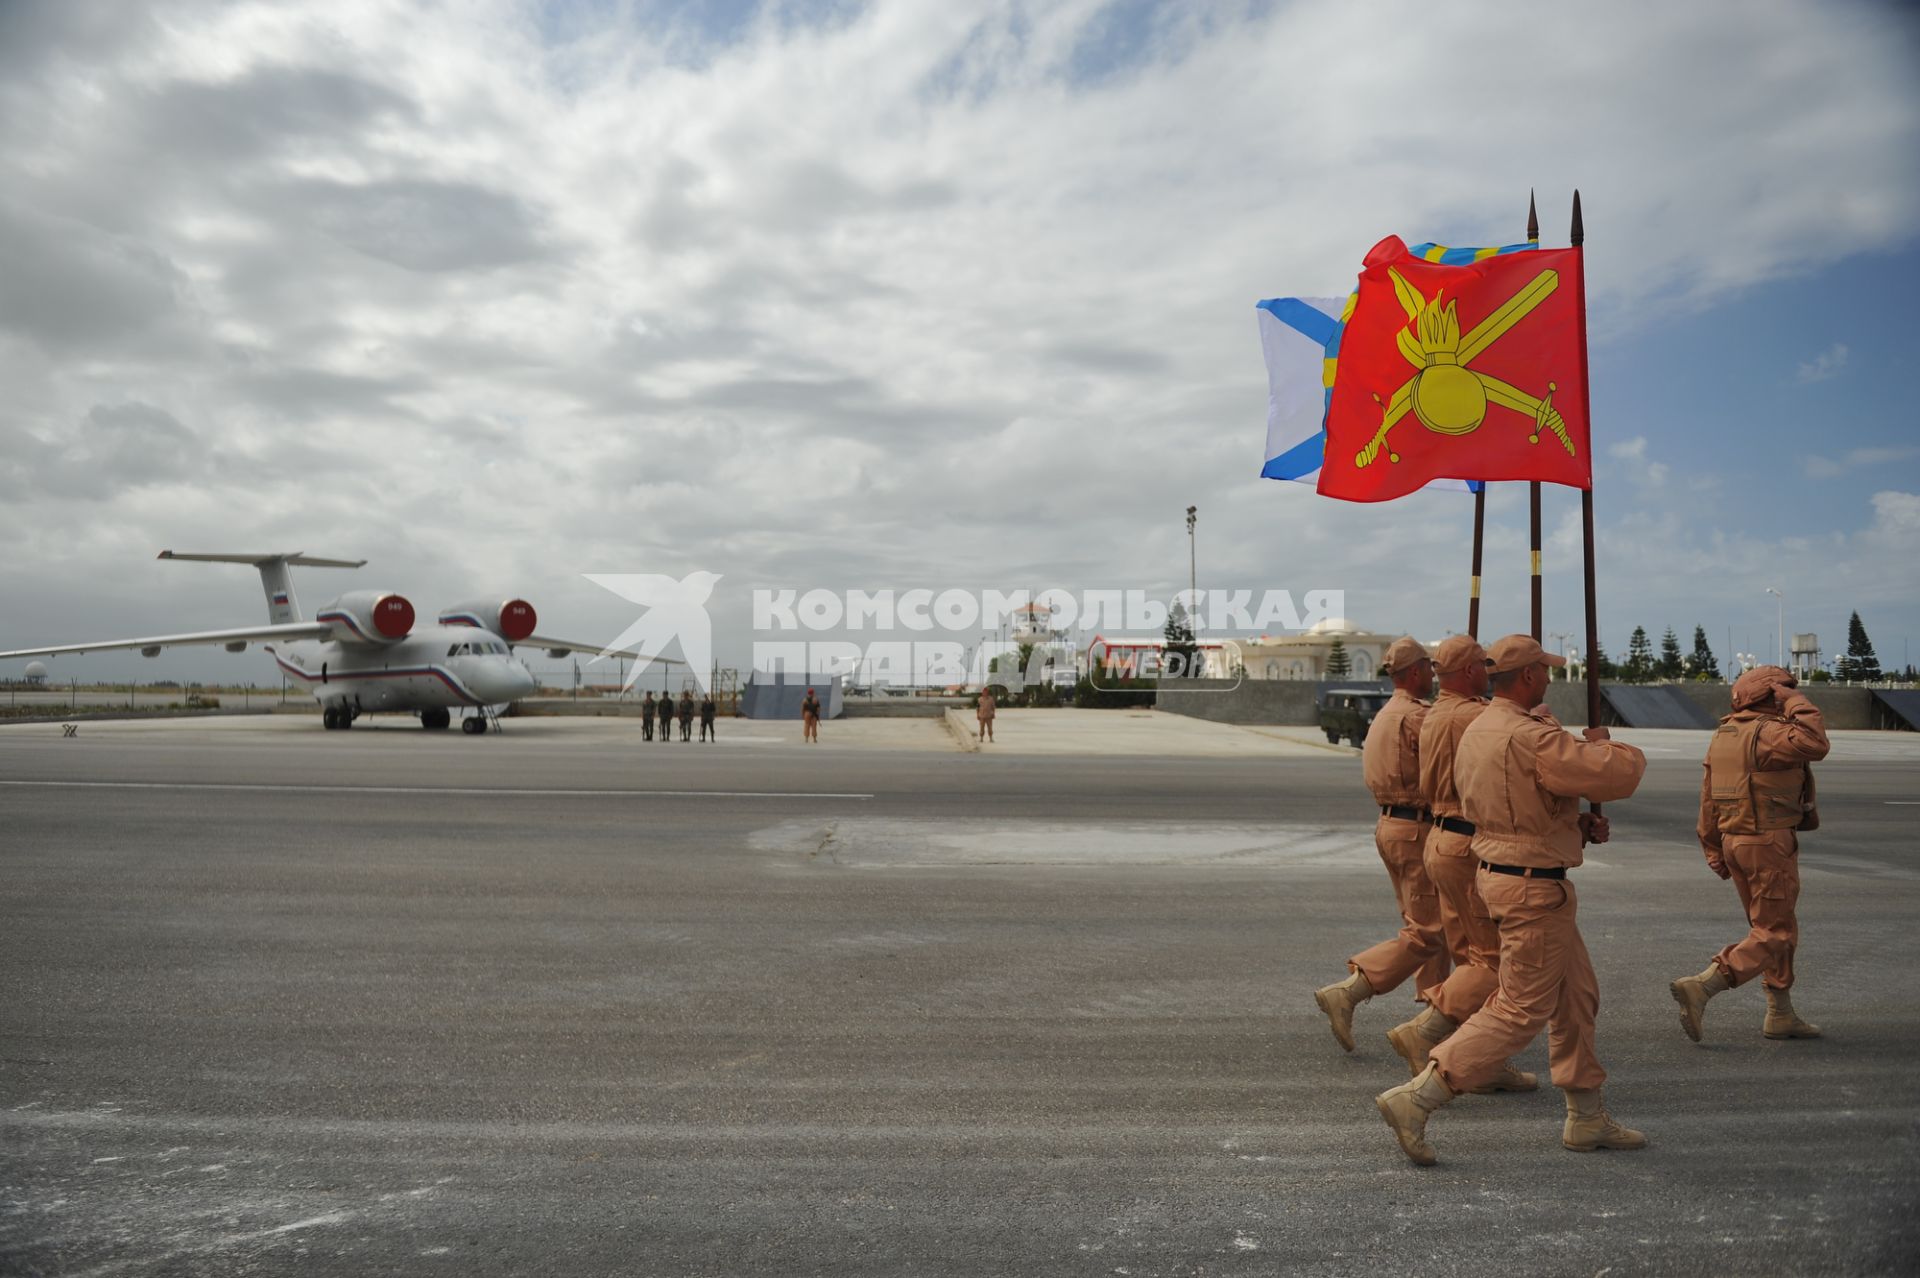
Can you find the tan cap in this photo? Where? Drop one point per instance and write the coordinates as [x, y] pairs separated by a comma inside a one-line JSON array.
[[1517, 652], [1755, 687], [1404, 653], [1457, 652]]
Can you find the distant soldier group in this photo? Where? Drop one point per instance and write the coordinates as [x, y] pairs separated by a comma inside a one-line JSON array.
[[664, 711], [1480, 823]]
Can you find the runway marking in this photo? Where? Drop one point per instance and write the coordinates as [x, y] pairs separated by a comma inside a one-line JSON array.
[[439, 789]]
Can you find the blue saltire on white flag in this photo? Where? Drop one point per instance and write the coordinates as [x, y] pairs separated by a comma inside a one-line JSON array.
[[1300, 337]]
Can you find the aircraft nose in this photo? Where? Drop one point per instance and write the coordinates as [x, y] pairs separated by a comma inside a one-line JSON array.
[[505, 681]]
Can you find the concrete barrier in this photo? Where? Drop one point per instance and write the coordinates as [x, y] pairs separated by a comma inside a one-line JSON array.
[[1291, 702], [899, 707], [960, 726], [1288, 702]]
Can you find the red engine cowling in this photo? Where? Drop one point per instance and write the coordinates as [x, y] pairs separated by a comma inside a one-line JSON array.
[[369, 616], [513, 619]]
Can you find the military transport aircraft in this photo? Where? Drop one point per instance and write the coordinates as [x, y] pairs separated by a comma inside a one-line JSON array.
[[363, 652]]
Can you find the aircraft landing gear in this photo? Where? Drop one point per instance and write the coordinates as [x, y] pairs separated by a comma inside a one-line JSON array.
[[473, 725], [435, 718]]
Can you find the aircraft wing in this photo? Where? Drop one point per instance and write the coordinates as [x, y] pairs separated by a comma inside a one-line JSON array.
[[557, 648], [244, 635]]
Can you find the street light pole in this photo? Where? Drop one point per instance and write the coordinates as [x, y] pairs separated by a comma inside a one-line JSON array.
[[1780, 637], [1193, 572]]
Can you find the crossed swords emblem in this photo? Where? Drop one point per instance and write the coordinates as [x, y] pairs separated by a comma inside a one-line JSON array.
[[1448, 395]]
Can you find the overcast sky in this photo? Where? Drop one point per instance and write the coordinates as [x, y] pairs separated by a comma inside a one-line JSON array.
[[922, 294]]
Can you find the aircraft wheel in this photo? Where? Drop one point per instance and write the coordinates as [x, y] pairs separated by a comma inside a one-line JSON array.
[[473, 725], [435, 718], [329, 718]]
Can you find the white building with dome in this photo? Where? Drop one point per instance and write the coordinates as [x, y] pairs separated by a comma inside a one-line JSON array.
[[1304, 656]]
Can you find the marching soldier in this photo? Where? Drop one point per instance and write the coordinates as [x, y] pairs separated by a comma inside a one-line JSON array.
[[1473, 940], [1389, 763], [1756, 792], [1520, 778]]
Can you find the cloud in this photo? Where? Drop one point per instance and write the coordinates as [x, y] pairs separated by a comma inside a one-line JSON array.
[[1896, 518], [1819, 467], [1827, 364], [1634, 453], [909, 292]]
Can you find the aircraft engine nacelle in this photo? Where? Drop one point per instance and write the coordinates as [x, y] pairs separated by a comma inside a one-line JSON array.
[[511, 619], [368, 616]]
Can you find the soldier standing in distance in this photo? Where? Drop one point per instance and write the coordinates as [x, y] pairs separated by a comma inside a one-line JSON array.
[[810, 718], [1389, 762], [708, 712], [1473, 940], [1521, 777], [686, 716], [1756, 792], [666, 716], [646, 716]]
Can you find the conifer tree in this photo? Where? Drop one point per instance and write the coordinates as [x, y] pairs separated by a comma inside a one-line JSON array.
[[1670, 666], [1638, 667], [1860, 663], [1705, 666], [1339, 665]]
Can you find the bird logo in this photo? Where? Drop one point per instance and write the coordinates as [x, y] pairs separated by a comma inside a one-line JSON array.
[[676, 610]]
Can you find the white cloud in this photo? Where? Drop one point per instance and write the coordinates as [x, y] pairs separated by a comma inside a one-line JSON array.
[[1827, 364], [1819, 467], [1634, 453], [1896, 517], [919, 293]]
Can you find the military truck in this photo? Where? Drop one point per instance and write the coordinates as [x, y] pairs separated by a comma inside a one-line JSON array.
[[1347, 712]]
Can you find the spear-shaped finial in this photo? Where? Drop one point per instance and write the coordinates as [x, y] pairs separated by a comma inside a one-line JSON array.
[[1533, 221], [1579, 235]]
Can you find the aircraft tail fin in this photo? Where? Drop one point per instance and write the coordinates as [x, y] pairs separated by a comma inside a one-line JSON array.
[[282, 604]]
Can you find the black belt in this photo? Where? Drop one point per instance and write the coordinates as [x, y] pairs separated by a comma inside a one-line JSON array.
[[1405, 814], [1454, 825], [1527, 871]]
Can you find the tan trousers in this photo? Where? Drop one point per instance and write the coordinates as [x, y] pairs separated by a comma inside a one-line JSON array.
[[1546, 980], [1766, 870], [1420, 946], [1473, 939]]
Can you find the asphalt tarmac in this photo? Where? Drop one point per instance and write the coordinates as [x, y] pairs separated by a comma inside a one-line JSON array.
[[557, 1001]]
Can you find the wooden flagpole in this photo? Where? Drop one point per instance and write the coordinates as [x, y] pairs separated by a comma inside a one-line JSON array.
[[1578, 239], [1533, 487], [1479, 534], [1480, 502]]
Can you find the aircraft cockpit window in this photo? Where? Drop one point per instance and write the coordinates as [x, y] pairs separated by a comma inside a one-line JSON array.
[[453, 650]]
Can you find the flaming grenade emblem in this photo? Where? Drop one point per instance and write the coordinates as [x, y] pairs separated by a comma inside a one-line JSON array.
[[1447, 394]]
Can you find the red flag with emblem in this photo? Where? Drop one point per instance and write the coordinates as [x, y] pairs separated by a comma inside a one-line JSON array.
[[1459, 369]]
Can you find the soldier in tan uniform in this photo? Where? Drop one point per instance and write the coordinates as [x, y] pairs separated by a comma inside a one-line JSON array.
[[1390, 765], [1756, 792], [1473, 940], [1520, 777]]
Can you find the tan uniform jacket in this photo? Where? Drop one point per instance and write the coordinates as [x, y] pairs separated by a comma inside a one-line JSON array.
[[1390, 759], [1439, 740], [1521, 777], [1794, 736]]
